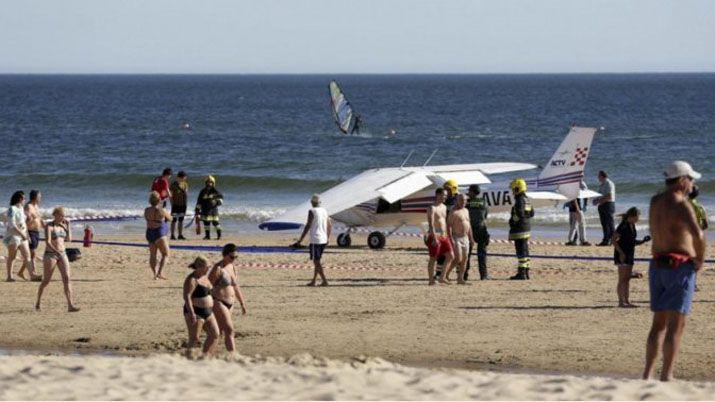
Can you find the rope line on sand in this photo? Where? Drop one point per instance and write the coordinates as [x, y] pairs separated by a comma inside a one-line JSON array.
[[278, 250], [421, 235], [217, 249]]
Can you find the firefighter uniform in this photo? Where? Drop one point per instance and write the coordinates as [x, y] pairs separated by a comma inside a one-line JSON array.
[[207, 207], [520, 227], [478, 212]]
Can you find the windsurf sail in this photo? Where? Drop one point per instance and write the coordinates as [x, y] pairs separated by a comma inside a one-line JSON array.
[[343, 113]]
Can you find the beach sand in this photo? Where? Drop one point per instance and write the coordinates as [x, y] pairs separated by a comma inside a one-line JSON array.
[[303, 377], [563, 321]]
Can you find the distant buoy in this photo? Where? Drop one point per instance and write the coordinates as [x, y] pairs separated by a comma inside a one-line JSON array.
[[186, 126]]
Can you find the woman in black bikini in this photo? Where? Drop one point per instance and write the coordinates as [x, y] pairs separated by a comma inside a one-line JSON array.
[[157, 230], [225, 292], [198, 307]]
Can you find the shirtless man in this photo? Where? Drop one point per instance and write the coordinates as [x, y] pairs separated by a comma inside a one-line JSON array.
[[34, 225], [459, 229], [678, 253], [437, 241]]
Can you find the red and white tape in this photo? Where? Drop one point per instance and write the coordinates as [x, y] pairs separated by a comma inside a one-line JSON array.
[[419, 270]]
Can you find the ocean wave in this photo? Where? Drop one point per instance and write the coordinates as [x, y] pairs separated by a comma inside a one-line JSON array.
[[105, 180], [242, 214]]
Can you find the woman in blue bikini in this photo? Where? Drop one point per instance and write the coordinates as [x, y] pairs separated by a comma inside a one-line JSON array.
[[157, 230]]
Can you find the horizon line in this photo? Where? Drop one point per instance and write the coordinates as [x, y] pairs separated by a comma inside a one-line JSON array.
[[353, 73]]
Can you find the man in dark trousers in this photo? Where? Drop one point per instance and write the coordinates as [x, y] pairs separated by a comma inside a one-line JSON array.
[[478, 213], [606, 207], [520, 227]]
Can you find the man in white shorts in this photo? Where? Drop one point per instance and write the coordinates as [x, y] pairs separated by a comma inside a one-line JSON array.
[[459, 230]]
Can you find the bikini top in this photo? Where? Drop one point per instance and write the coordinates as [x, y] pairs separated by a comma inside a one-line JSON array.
[[57, 231], [225, 279], [200, 291], [161, 217]]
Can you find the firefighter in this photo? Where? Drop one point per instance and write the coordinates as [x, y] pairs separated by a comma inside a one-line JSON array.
[[520, 227], [478, 212], [450, 186]]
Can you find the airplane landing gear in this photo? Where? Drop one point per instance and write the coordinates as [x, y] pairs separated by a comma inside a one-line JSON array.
[[344, 240], [376, 240]]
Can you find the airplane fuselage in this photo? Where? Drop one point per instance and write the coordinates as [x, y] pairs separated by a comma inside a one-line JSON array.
[[412, 210]]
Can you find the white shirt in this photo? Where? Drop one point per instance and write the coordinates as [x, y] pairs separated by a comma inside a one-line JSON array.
[[319, 226], [15, 215]]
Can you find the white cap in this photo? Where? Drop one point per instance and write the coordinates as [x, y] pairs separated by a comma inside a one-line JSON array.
[[680, 169]]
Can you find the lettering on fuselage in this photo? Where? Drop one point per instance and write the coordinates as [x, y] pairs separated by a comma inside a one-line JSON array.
[[497, 198]]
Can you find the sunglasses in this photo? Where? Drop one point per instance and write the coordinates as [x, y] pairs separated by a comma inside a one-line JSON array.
[[233, 256]]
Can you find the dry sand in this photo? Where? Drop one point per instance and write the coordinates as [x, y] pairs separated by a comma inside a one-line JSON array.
[[303, 377], [562, 321]]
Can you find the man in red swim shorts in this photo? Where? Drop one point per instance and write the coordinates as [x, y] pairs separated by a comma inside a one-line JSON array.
[[437, 240]]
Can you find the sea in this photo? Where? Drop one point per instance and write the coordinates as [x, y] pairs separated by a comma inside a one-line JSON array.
[[93, 143]]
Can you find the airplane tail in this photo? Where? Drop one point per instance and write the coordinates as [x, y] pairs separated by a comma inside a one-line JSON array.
[[564, 171]]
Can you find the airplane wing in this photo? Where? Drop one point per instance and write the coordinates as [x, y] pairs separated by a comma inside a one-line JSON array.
[[474, 173], [390, 184], [485, 168]]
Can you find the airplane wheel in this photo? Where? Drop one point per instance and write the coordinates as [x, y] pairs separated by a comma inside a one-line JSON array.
[[344, 240], [376, 240]]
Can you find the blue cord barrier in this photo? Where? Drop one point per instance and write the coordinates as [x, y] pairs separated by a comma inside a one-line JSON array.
[[269, 249], [217, 249]]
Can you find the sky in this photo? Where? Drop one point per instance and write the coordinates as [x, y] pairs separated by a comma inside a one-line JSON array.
[[365, 36]]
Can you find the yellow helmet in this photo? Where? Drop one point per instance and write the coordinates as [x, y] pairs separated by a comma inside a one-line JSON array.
[[211, 179], [518, 185], [451, 184]]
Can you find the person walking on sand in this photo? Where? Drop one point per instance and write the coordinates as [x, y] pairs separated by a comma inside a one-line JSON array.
[[624, 244], [57, 233], [577, 229], [161, 186], [678, 253], [34, 225], [179, 194], [225, 292], [16, 237], [198, 307], [207, 207], [437, 241], [156, 234], [459, 231], [606, 207], [320, 225], [478, 213]]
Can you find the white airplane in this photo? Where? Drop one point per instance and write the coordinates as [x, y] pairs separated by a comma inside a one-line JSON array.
[[398, 196]]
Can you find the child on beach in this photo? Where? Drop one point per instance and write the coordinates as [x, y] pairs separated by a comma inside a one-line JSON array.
[[624, 244]]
